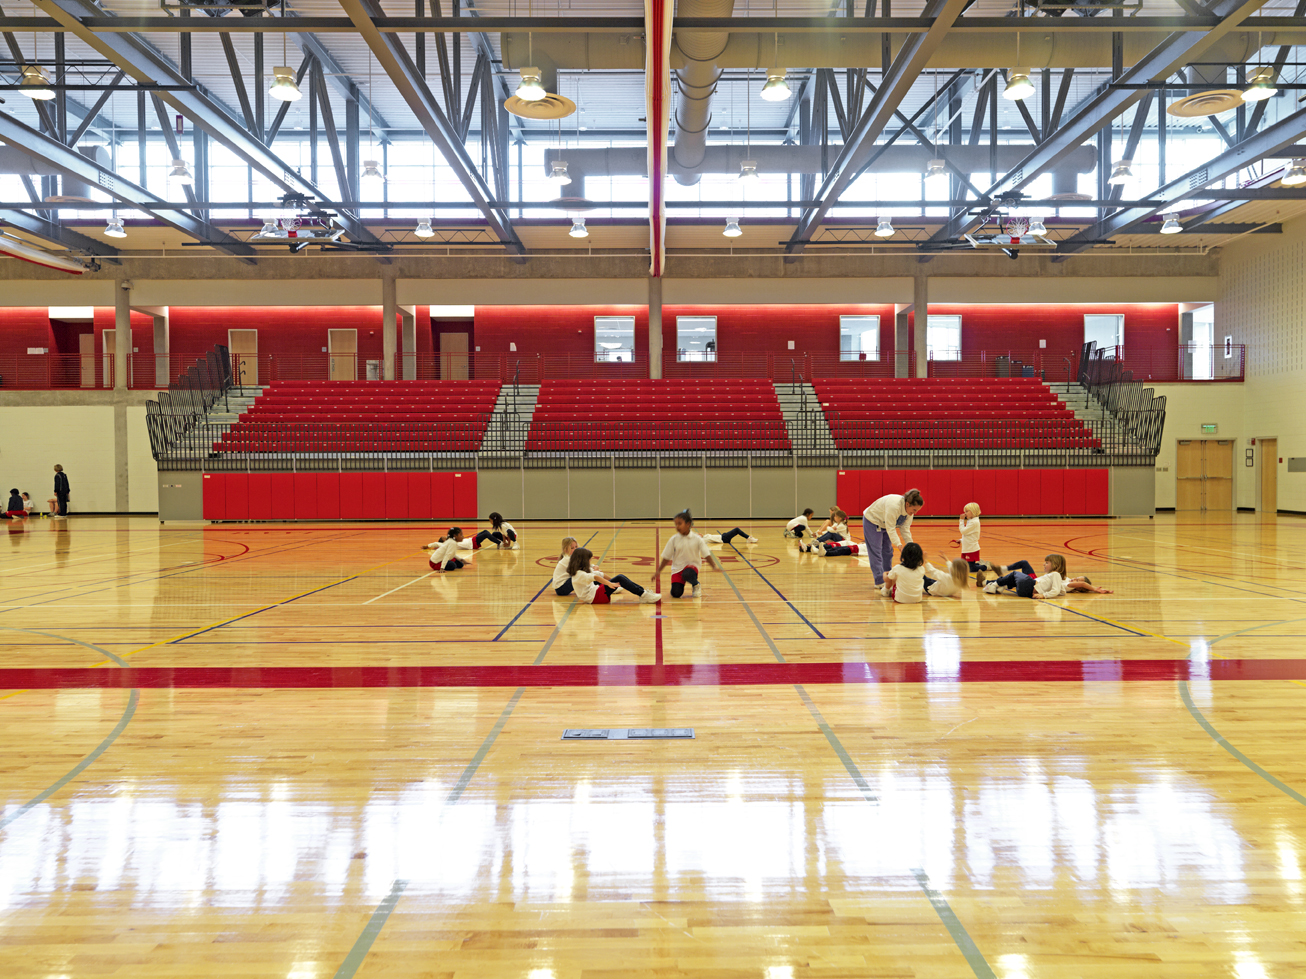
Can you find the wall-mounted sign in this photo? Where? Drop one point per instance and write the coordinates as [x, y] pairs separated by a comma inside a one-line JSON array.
[[1210, 429], [1249, 459]]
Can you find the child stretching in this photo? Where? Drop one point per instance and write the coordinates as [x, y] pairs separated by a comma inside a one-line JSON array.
[[728, 536], [968, 525], [798, 526], [905, 581], [834, 529], [446, 549], [946, 584], [683, 552], [594, 588], [1053, 583], [500, 534], [833, 548], [562, 584]]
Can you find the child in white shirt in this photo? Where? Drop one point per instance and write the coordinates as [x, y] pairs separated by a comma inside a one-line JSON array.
[[905, 581], [562, 584], [798, 526], [684, 551], [446, 557], [947, 583], [594, 588], [728, 536], [968, 526], [1053, 583], [834, 529]]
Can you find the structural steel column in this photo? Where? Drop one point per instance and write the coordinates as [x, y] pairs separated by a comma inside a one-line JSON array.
[[122, 336], [921, 305], [389, 310], [654, 327]]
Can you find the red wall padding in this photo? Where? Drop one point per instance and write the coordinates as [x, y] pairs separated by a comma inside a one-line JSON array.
[[999, 492], [340, 496]]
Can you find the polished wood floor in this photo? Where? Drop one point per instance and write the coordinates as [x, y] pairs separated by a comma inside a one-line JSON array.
[[1090, 815]]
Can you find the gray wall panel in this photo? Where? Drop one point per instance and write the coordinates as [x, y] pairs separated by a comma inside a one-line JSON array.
[[1133, 491], [729, 494], [773, 493], [181, 496], [638, 494], [546, 495], [682, 488], [816, 490], [502, 490], [591, 494]]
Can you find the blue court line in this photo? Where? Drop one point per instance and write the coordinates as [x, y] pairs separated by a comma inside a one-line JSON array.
[[265, 608], [374, 925], [76, 642], [777, 591], [974, 957], [537, 595], [1094, 618]]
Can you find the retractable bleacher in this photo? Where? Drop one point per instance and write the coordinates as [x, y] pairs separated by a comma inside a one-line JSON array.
[[664, 416], [364, 417], [949, 413]]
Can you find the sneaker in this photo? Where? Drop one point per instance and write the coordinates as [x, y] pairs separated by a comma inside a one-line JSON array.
[[789, 533], [753, 540], [991, 588], [650, 598], [696, 591]]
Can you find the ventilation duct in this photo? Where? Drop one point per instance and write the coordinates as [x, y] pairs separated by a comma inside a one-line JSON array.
[[14, 161], [696, 81]]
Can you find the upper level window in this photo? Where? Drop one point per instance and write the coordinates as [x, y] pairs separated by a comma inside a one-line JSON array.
[[859, 338], [1107, 330], [695, 338], [943, 337], [614, 339]]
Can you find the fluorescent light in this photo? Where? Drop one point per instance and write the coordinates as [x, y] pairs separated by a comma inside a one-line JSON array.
[[283, 85], [424, 228], [1121, 173], [732, 228], [530, 88], [35, 83], [1018, 85], [1296, 175], [114, 230], [884, 229], [578, 228], [776, 88], [1172, 225]]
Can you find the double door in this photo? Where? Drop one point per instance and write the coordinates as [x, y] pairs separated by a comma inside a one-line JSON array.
[[1204, 474]]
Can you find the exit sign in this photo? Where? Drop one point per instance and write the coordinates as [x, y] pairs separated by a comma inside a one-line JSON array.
[[1209, 429]]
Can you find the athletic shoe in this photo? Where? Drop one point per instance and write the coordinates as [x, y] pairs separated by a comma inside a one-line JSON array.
[[650, 598], [696, 591], [789, 533], [991, 588], [753, 540]]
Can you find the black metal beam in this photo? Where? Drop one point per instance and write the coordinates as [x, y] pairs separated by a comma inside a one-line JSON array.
[[1282, 133], [238, 82], [1102, 106], [333, 139], [94, 111], [398, 65], [71, 163], [57, 234], [337, 76], [280, 117], [912, 59]]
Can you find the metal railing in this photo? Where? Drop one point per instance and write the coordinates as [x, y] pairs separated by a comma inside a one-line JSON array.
[[1137, 411], [177, 421]]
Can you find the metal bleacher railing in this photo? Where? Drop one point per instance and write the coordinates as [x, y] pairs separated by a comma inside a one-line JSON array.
[[1137, 411], [178, 420]]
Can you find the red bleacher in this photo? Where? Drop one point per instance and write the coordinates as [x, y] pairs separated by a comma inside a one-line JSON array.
[[365, 416], [949, 413], [657, 416]]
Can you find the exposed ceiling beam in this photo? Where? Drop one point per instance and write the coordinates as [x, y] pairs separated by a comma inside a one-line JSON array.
[[1282, 133], [72, 163], [336, 75], [57, 234], [398, 65], [1099, 108], [145, 63], [912, 58]]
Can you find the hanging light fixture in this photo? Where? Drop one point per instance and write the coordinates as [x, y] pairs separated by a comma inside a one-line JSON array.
[[935, 168], [531, 86], [776, 88], [269, 229], [732, 228], [1296, 175], [424, 229], [1121, 173], [558, 173], [1262, 86], [35, 83], [578, 228], [1036, 227], [180, 172], [747, 169], [1172, 225], [114, 230], [885, 228], [283, 85], [371, 170], [1018, 85]]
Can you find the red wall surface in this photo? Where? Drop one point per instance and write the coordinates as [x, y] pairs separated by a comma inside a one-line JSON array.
[[999, 492], [340, 496]]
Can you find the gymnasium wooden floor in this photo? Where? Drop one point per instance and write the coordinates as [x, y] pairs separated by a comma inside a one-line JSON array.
[[286, 751]]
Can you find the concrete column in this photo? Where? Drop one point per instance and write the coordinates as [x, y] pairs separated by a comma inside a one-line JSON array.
[[654, 328], [901, 331], [921, 305], [122, 337], [162, 339], [389, 310], [408, 341]]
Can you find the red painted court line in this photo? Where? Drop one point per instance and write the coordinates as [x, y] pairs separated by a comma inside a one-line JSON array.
[[640, 675], [657, 587]]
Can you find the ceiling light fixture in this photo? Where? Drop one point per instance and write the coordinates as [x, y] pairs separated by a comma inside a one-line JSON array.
[[283, 84], [1121, 173], [531, 86], [269, 229], [1296, 175], [747, 169], [371, 170], [114, 230], [558, 173], [424, 229], [1262, 86], [1036, 227], [180, 172], [776, 88], [885, 228], [1018, 85], [1172, 225], [35, 83], [578, 228], [935, 168], [732, 228]]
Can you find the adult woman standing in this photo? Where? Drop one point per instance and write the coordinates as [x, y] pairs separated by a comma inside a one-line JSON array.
[[61, 491], [881, 522]]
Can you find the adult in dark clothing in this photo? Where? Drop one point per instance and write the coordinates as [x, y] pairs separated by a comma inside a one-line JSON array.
[[61, 490]]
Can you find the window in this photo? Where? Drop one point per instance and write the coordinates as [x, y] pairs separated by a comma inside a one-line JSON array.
[[614, 339], [695, 338], [1202, 346], [859, 338], [943, 337], [1106, 330]]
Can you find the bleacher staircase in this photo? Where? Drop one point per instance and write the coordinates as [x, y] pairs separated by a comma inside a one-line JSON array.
[[511, 421], [808, 430]]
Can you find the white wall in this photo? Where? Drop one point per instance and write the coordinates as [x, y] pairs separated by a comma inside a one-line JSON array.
[[1189, 407], [1262, 303], [80, 439], [142, 473]]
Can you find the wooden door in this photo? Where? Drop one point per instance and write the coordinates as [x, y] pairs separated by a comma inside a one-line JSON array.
[[243, 345], [1218, 464], [86, 348], [342, 346], [1188, 475], [107, 340], [1269, 475], [453, 356]]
